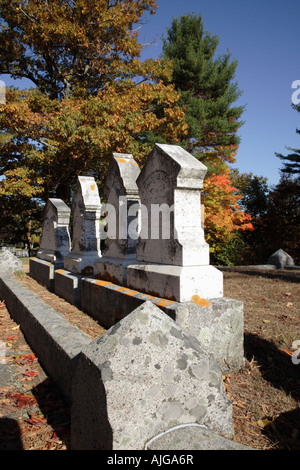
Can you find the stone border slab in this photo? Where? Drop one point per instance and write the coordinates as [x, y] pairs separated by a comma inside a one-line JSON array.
[[53, 339], [218, 324], [43, 272], [68, 286]]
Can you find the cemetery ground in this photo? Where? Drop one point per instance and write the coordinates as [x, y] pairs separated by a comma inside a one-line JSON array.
[[265, 394]]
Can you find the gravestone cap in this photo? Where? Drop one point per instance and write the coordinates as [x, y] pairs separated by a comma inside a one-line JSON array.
[[184, 170]]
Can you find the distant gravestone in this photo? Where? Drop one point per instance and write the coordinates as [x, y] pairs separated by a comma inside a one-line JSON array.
[[140, 378], [122, 203], [9, 263], [280, 259], [86, 208], [55, 240], [172, 254]]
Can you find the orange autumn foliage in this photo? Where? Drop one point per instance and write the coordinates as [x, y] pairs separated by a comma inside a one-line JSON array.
[[223, 215]]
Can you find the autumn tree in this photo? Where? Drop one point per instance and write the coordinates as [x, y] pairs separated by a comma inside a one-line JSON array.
[[253, 194], [208, 95], [92, 94], [282, 220]]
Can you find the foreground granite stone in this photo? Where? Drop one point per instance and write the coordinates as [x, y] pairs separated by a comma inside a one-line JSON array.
[[192, 437], [142, 377]]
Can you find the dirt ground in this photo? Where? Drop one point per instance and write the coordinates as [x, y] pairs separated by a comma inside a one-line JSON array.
[[265, 393]]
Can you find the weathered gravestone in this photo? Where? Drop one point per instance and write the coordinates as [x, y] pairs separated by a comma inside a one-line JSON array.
[[55, 240], [280, 259], [172, 255], [55, 243], [122, 206], [142, 377], [86, 208], [9, 263]]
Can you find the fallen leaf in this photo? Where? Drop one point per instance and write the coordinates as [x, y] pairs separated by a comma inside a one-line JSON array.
[[266, 321], [286, 351], [263, 423], [35, 419], [27, 358], [31, 373], [23, 399]]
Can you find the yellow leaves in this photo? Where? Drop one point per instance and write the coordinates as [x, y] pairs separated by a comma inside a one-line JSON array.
[[263, 423]]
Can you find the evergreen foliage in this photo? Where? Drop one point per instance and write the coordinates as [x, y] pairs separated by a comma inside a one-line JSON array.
[[292, 161]]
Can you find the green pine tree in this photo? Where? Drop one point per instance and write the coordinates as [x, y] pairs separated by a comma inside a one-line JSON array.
[[291, 162], [207, 89]]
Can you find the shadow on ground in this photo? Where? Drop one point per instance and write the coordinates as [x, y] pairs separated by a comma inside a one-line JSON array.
[[277, 368], [10, 434]]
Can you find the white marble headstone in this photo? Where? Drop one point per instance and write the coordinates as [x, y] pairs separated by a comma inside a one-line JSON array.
[[123, 210], [86, 208], [55, 240], [172, 254]]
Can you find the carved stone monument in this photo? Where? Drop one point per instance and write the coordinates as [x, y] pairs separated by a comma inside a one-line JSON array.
[[86, 209], [54, 244], [123, 203], [141, 378], [172, 255], [55, 240]]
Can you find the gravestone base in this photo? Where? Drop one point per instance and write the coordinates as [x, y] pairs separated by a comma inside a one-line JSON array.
[[81, 264], [51, 257], [179, 283], [67, 285], [43, 272], [113, 269], [218, 324]]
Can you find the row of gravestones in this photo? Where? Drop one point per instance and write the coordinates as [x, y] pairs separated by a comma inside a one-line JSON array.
[[147, 375], [172, 265], [140, 262]]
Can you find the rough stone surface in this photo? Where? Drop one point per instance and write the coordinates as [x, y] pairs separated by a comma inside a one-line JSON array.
[[218, 324], [86, 208], [55, 240], [179, 283], [50, 336], [142, 377], [43, 272], [9, 263], [108, 303], [123, 205], [192, 437], [280, 259], [68, 286]]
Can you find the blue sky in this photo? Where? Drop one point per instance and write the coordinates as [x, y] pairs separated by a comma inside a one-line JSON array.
[[264, 37]]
